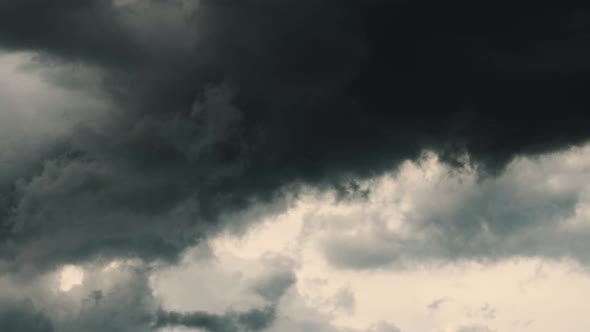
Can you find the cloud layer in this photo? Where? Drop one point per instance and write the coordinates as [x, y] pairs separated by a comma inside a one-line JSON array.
[[219, 105], [401, 134]]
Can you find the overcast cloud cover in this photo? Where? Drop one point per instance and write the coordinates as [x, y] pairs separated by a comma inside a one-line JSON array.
[[210, 165]]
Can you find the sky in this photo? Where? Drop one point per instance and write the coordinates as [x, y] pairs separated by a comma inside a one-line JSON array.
[[286, 166]]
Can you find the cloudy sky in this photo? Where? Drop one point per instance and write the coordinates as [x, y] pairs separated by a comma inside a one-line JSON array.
[[286, 166]]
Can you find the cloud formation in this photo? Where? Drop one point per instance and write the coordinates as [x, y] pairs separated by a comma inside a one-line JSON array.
[[432, 213], [218, 105], [135, 129], [119, 297]]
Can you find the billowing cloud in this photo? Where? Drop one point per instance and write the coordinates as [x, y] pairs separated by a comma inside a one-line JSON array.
[[427, 132], [218, 106]]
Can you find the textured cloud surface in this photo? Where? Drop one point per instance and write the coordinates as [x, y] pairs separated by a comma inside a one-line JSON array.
[[217, 105], [399, 134], [536, 208]]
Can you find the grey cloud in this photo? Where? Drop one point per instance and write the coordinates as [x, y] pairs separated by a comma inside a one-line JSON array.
[[104, 33], [270, 279], [220, 105], [273, 286], [23, 317], [120, 299], [253, 320], [535, 209], [36, 120], [74, 207], [129, 306], [360, 253], [270, 285]]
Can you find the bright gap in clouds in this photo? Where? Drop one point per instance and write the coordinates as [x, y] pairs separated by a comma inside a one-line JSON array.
[[70, 276], [388, 257]]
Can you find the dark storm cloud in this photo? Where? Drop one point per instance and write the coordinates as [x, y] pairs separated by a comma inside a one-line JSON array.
[[221, 104]]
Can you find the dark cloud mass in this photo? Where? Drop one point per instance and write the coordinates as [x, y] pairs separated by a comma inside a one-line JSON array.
[[220, 104]]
